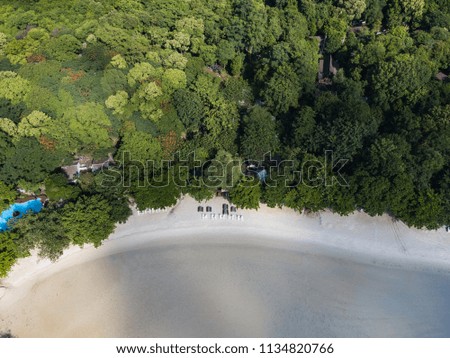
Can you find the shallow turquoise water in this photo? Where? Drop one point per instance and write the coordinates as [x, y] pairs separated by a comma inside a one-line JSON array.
[[33, 205]]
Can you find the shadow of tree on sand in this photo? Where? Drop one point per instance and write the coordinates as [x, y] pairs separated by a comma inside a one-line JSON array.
[[7, 334]]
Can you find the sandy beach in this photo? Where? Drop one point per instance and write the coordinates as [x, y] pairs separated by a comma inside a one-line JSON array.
[[276, 273]]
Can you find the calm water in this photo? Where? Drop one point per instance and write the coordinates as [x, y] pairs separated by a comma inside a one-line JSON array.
[[207, 288]]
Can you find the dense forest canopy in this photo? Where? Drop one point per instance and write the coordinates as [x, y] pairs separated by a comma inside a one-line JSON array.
[[213, 82]]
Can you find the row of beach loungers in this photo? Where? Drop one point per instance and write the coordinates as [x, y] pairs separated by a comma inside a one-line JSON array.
[[222, 216], [152, 211]]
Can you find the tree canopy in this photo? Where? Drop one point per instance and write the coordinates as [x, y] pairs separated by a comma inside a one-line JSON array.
[[203, 89]]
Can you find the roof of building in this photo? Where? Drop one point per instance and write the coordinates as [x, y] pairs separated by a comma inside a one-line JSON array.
[[441, 76]]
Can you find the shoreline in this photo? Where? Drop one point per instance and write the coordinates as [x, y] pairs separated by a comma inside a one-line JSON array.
[[357, 239], [417, 247]]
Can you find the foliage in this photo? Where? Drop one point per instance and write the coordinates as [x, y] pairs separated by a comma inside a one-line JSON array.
[[259, 135], [353, 8], [228, 81], [189, 107], [7, 196], [157, 193], [62, 48], [57, 188], [246, 194], [117, 102], [283, 90], [119, 62], [88, 220], [43, 232], [13, 87], [224, 171], [403, 77], [29, 161], [89, 125], [139, 147], [8, 252], [35, 125]]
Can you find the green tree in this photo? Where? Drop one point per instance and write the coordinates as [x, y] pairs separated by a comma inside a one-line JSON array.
[[274, 192], [7, 196], [225, 52], [306, 197], [132, 48], [43, 232], [336, 31], [87, 221], [283, 90], [159, 193], [173, 79], [191, 25], [3, 42], [117, 102], [113, 81], [148, 100], [8, 127], [29, 161], [180, 41], [8, 252], [35, 124], [120, 208], [222, 116], [246, 194], [62, 48], [403, 77], [189, 107], [372, 194], [89, 125], [197, 190], [139, 147], [237, 64], [224, 171], [412, 9], [353, 8], [119, 62], [428, 211], [13, 87], [18, 50], [57, 188], [238, 90], [341, 198], [304, 128], [176, 60], [259, 134], [143, 72], [6, 147]]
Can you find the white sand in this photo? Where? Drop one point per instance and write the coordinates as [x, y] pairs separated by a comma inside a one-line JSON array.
[[277, 273]]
